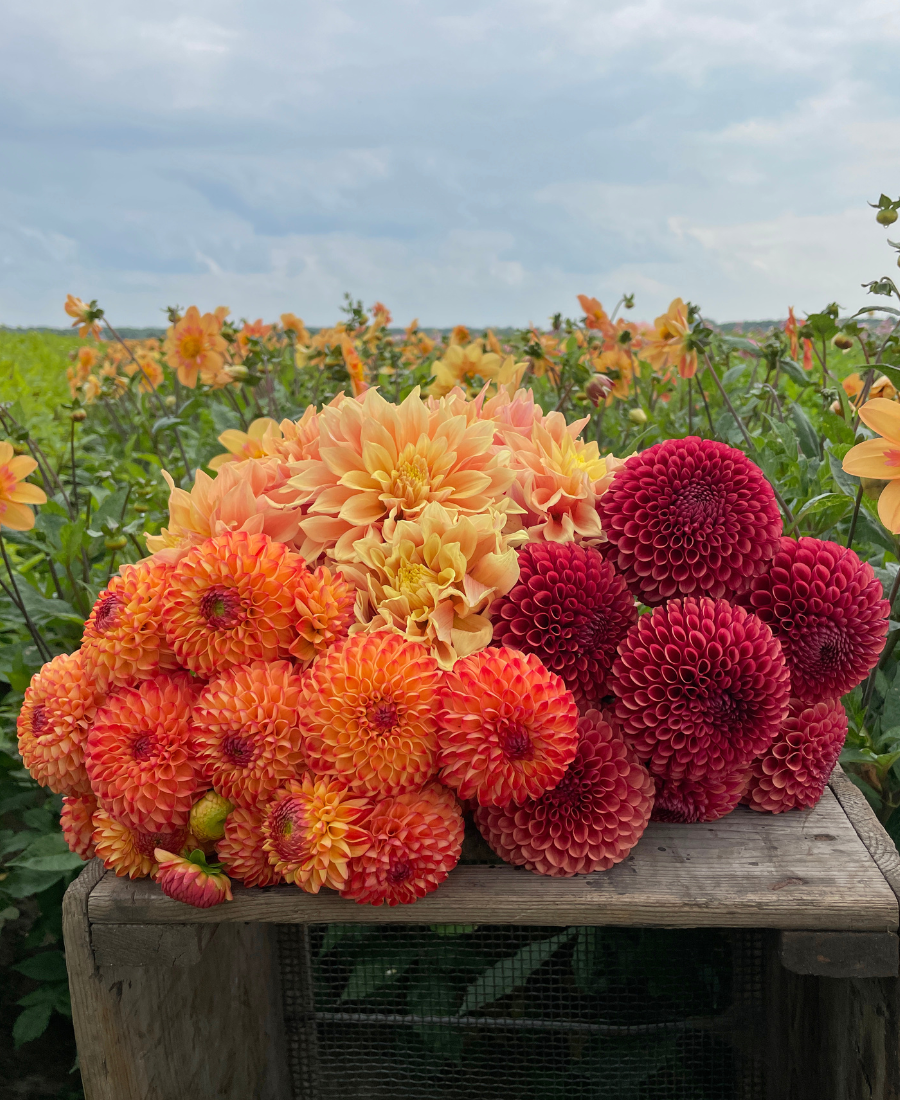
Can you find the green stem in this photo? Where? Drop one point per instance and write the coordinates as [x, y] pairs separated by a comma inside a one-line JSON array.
[[855, 517], [16, 596]]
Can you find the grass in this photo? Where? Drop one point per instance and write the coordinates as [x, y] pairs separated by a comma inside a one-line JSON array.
[[33, 373]]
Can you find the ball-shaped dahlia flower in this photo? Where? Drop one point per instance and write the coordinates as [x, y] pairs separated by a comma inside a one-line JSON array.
[[702, 687], [571, 609], [312, 832], [707, 799], [368, 714], [793, 772], [76, 823], [246, 731], [827, 609], [124, 638], [190, 879], [241, 849], [690, 517], [172, 841], [508, 727], [139, 754], [324, 605], [415, 839], [231, 600], [116, 845], [590, 820], [59, 706]]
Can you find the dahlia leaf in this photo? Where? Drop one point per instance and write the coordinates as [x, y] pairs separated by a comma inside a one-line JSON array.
[[377, 971], [65, 861], [807, 434], [847, 483], [31, 1023], [336, 933], [22, 882], [508, 974], [795, 372], [49, 966]]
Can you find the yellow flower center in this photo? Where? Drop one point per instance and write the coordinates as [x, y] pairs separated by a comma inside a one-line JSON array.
[[411, 482], [191, 346], [411, 577]]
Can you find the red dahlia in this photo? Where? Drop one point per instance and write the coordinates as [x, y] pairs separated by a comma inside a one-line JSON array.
[[826, 607], [571, 609], [702, 688], [706, 799], [590, 820], [690, 517], [794, 771]]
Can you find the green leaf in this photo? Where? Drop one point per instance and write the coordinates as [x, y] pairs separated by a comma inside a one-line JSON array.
[[65, 861], [847, 483], [795, 372], [31, 1023], [890, 716], [376, 971], [785, 433], [166, 422], [48, 966], [336, 933], [8, 914], [585, 960], [823, 503], [452, 929], [508, 974], [22, 882], [806, 433], [739, 343]]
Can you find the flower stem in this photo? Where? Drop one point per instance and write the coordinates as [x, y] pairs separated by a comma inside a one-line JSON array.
[[855, 517], [16, 596]]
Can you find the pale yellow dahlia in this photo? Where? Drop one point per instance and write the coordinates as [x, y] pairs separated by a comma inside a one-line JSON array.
[[460, 365]]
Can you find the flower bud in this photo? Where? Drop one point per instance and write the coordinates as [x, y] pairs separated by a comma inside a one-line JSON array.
[[170, 401], [842, 341], [886, 217], [637, 416], [115, 542], [238, 372], [78, 415], [597, 389], [872, 487], [208, 816]]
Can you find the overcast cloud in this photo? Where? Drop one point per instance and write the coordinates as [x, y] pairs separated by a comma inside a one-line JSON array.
[[477, 162]]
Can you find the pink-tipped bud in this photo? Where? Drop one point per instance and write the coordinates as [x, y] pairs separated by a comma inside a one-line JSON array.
[[597, 389], [191, 879]]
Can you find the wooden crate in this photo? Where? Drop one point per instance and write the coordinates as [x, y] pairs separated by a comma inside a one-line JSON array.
[[171, 1002]]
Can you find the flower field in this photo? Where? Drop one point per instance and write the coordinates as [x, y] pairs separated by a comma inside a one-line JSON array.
[[313, 606]]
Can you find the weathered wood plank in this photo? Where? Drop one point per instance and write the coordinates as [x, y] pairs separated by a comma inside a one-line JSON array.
[[150, 944], [837, 954], [868, 828], [806, 870]]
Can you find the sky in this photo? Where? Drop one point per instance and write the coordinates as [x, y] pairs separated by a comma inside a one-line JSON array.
[[481, 163]]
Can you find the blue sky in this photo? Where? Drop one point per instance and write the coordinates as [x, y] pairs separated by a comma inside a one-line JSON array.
[[476, 162]]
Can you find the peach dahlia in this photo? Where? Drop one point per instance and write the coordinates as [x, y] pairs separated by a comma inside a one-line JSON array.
[[117, 846], [75, 821]]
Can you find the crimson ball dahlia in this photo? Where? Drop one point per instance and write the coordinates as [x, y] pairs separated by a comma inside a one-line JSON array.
[[827, 609], [590, 820], [792, 774], [702, 687], [690, 517], [571, 609], [707, 799]]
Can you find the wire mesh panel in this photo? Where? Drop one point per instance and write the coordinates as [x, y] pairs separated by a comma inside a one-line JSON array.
[[461, 1012]]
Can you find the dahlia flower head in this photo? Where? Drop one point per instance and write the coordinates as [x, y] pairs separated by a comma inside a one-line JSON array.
[[702, 687], [191, 880], [709, 798], [571, 609], [117, 846], [828, 611], [589, 821], [690, 517], [241, 850]]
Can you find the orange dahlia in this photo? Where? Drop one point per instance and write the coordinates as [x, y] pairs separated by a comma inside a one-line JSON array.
[[194, 346], [124, 639], [231, 600], [53, 723], [324, 606], [190, 879], [241, 849], [116, 845], [368, 714], [246, 731], [415, 843], [312, 832], [508, 727], [139, 755], [76, 824]]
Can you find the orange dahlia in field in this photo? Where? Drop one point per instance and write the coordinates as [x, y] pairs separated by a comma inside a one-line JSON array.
[[59, 706], [508, 727], [368, 714], [589, 821], [792, 774], [116, 845], [246, 731], [231, 600], [312, 832], [194, 345], [706, 799], [241, 849], [139, 754], [415, 839], [77, 825], [324, 605], [16, 494], [190, 879], [123, 638]]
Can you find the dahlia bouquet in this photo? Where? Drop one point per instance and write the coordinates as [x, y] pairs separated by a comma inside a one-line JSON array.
[[391, 618]]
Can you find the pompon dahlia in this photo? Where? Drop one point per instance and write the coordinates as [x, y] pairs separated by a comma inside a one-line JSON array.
[[368, 714], [416, 840], [793, 772], [116, 845], [246, 731], [508, 727], [190, 879], [312, 832], [324, 605], [139, 754], [827, 609], [706, 799], [77, 825], [702, 687], [231, 600], [241, 849], [589, 821], [59, 706], [690, 517], [571, 609], [124, 638]]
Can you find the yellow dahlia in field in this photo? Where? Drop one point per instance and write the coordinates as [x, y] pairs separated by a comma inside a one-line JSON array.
[[432, 579], [194, 346], [139, 754], [57, 712], [150, 370], [669, 346], [15, 493], [240, 446], [116, 845], [324, 604], [75, 821], [368, 714], [246, 731], [231, 600], [312, 832], [86, 316], [463, 364], [124, 638], [381, 461], [290, 322], [880, 458], [241, 849]]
